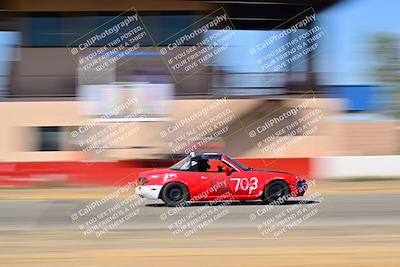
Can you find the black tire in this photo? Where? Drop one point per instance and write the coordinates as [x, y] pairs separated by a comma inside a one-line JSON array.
[[276, 190], [174, 194]]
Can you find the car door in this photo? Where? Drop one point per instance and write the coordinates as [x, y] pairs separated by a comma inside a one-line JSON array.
[[243, 184], [219, 180], [199, 182]]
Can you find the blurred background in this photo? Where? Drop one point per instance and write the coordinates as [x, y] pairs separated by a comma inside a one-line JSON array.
[[47, 98], [92, 92]]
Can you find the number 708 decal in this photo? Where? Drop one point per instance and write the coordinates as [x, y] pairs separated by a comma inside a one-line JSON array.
[[246, 184]]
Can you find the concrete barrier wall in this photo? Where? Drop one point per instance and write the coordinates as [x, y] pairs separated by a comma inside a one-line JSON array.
[[356, 166], [119, 172], [114, 173]]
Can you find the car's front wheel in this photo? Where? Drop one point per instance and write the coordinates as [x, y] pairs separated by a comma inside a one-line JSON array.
[[174, 194], [276, 190]]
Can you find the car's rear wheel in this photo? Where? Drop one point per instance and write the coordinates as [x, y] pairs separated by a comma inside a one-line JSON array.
[[276, 190], [174, 194]]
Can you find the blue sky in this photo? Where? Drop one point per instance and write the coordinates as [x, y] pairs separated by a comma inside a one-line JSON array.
[[351, 26], [7, 40], [345, 57]]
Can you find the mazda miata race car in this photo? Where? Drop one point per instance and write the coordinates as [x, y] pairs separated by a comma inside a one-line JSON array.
[[214, 176]]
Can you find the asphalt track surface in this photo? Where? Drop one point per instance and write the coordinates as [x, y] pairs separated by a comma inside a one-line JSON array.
[[352, 229]]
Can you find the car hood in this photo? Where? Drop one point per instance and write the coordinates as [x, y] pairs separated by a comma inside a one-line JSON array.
[[274, 171]]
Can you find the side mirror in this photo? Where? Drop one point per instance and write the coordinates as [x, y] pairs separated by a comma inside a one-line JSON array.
[[227, 170]]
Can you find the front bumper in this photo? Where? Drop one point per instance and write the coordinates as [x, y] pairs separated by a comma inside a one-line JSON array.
[[301, 188], [148, 191]]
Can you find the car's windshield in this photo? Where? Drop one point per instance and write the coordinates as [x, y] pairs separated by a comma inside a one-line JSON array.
[[183, 165], [243, 167]]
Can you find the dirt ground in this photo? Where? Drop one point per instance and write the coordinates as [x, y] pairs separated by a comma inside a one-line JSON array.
[[357, 225], [306, 247]]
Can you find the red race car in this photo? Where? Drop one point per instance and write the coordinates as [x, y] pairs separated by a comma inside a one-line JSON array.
[[213, 176]]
